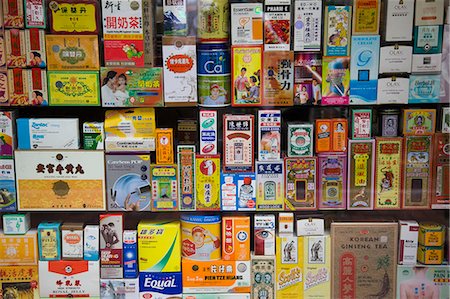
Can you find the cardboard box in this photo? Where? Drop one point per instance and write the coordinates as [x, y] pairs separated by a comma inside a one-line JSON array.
[[176, 22], [246, 23], [18, 250], [207, 186], [16, 224], [19, 282], [236, 238], [91, 243], [310, 226], [308, 25], [60, 180], [336, 80], [337, 19], [128, 182], [49, 241], [27, 87], [7, 132], [364, 259], [300, 183], [208, 132], [264, 231], [428, 39], [429, 13], [269, 135], [395, 59], [361, 124], [399, 21], [74, 88], [332, 181], [308, 76], [130, 254], [408, 242], [269, 186], [421, 280], [389, 123], [289, 267], [35, 16], [7, 186], [74, 17], [70, 278], [300, 140], [445, 116], [205, 277], [122, 288], [93, 136], [324, 135], [285, 223], [13, 14], [238, 145], [317, 267], [159, 246], [15, 48], [164, 146], [160, 285], [263, 276], [431, 234], [111, 246], [216, 296], [339, 134], [126, 52], [278, 70], [424, 89], [187, 132], [426, 63], [419, 121], [72, 241], [441, 172], [430, 255], [393, 90], [366, 17], [277, 24], [164, 187], [238, 191], [186, 177], [35, 48]]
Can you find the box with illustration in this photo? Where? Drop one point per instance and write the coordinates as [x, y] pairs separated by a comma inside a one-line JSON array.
[[307, 78], [74, 17], [35, 48], [74, 88], [34, 16], [424, 89], [164, 146], [269, 185], [332, 181], [175, 18], [122, 288], [111, 246], [160, 285], [13, 12], [208, 132], [186, 177], [269, 135], [15, 48], [72, 52], [300, 140], [278, 70], [263, 276], [337, 30], [300, 183], [19, 250], [164, 187], [421, 280], [289, 267], [246, 23], [19, 282], [441, 172], [238, 144], [366, 17], [7, 186], [307, 25], [336, 80], [238, 191], [419, 121], [207, 188], [277, 24], [361, 123], [317, 267]]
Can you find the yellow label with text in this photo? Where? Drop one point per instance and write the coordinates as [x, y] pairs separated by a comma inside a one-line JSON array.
[[74, 17], [289, 265], [361, 174], [73, 88]]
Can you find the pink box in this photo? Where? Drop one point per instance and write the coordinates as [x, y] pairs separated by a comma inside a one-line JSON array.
[[332, 181]]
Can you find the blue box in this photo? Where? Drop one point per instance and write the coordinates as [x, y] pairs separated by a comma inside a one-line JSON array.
[[130, 268], [49, 241], [238, 191], [424, 89], [8, 201], [160, 285], [365, 58]]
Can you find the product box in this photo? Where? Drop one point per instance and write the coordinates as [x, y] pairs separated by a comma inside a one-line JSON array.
[[399, 21], [111, 246], [238, 146], [19, 281], [72, 52], [160, 285], [7, 132], [130, 256], [389, 123], [35, 48], [269, 135], [175, 18], [132, 87], [246, 80], [289, 267], [28, 87], [300, 183], [332, 181], [208, 132], [180, 71], [13, 14], [445, 77], [441, 172], [93, 136], [278, 70], [127, 52], [213, 21], [60, 180], [246, 23], [17, 88], [217, 296], [71, 278], [264, 231], [417, 179], [72, 241], [207, 186], [428, 39], [388, 172], [429, 12], [419, 121], [236, 238], [337, 30], [336, 80], [238, 191], [339, 135], [365, 50], [393, 90], [16, 224], [361, 124], [269, 186], [74, 88], [310, 226], [74, 16], [395, 59], [277, 25], [300, 140], [366, 17], [445, 118], [423, 280], [164, 146], [49, 241], [408, 242], [307, 77], [317, 267], [119, 288], [187, 132], [149, 34], [364, 259], [219, 276], [361, 174], [91, 242], [7, 186], [15, 48], [18, 249], [307, 25], [186, 177], [431, 234], [164, 187], [430, 255], [263, 276], [285, 223], [324, 135], [128, 182], [35, 16], [424, 89], [426, 63], [159, 246]]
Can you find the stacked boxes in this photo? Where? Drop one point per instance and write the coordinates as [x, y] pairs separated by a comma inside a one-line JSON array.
[[431, 243]]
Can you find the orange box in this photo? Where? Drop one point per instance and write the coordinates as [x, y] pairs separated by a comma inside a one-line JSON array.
[[323, 135], [236, 238], [164, 146], [339, 135], [18, 250]]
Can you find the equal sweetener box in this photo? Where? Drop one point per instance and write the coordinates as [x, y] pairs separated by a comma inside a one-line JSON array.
[[160, 285]]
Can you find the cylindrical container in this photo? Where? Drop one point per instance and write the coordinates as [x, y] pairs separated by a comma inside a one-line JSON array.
[[389, 123], [200, 236], [213, 20], [214, 74]]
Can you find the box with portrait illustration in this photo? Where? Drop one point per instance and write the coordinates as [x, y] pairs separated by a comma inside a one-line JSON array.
[[423, 281], [111, 246]]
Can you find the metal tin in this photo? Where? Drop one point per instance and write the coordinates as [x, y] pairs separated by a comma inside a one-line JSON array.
[[389, 123], [213, 20]]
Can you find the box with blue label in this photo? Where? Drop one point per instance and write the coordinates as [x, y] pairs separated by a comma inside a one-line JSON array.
[[49, 241], [238, 191], [7, 186], [130, 269], [48, 133], [160, 285], [119, 288], [16, 224], [424, 89], [91, 242], [364, 62]]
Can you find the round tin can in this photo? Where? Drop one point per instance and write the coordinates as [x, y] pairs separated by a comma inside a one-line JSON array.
[[214, 75], [389, 123], [200, 237], [213, 20]]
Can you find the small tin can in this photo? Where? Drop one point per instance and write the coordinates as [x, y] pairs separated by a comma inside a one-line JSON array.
[[389, 123], [214, 74], [213, 20]]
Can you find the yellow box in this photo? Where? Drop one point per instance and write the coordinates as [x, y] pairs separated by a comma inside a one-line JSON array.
[[159, 246], [164, 146], [207, 186], [236, 238], [130, 123], [317, 267], [74, 88], [430, 255], [431, 234], [289, 267], [19, 282], [18, 249]]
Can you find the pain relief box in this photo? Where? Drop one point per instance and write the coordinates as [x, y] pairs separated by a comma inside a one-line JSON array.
[[130, 269], [49, 241], [69, 279], [159, 246], [19, 282], [166, 285], [236, 238], [18, 249], [16, 224], [417, 281], [216, 276], [289, 267], [430, 255], [111, 246], [263, 276], [408, 242], [119, 288], [317, 267], [331, 135], [72, 241], [264, 230]]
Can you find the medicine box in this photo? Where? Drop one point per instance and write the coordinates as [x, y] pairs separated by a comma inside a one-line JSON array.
[[408, 242], [7, 131], [164, 146], [238, 191], [19, 281], [93, 136], [236, 238], [263, 276], [49, 241], [8, 198], [270, 185], [411, 278], [317, 267], [289, 267], [91, 242], [16, 224], [119, 288], [130, 255], [72, 241], [431, 234], [285, 223], [264, 231], [18, 249], [111, 245]]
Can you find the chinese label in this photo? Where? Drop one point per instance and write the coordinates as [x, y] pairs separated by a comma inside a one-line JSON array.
[[307, 25]]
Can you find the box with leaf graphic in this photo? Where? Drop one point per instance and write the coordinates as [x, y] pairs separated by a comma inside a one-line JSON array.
[[75, 88]]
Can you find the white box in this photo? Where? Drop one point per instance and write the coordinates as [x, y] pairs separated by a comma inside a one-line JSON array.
[[395, 59], [269, 135], [48, 133], [72, 241], [119, 288], [307, 25], [208, 132], [310, 227], [286, 223], [16, 224], [264, 230], [426, 63], [130, 144], [399, 20], [244, 16], [408, 242], [91, 242], [93, 136]]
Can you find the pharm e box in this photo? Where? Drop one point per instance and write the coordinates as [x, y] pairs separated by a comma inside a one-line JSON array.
[[166, 285], [18, 249]]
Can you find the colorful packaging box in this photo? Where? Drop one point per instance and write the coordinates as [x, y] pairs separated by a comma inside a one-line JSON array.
[[408, 242], [264, 231], [175, 18], [269, 186], [366, 17], [277, 24], [236, 238], [207, 186], [424, 89], [431, 234], [208, 132], [389, 123], [18, 250], [111, 246], [164, 146], [238, 191], [361, 174], [300, 183], [332, 181], [7, 186], [324, 135], [441, 172], [399, 21], [246, 80], [130, 254], [429, 13], [72, 241], [278, 70], [27, 87], [4, 92], [263, 276], [336, 80], [72, 52], [238, 146], [71, 278], [395, 59], [307, 77], [216, 296], [363, 250], [54, 180], [217, 30], [337, 30], [430, 255], [122, 288], [419, 121], [49, 241], [289, 267], [388, 172], [15, 48], [74, 88], [164, 187], [445, 118], [285, 223], [310, 226], [19, 281], [300, 140], [93, 136], [35, 16], [339, 135], [361, 124], [180, 71], [16, 224], [160, 285], [445, 78], [246, 23], [365, 50], [307, 25], [317, 267], [269, 135], [13, 14], [35, 48], [393, 90], [410, 280], [159, 246], [74, 17], [91, 242], [186, 177]]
